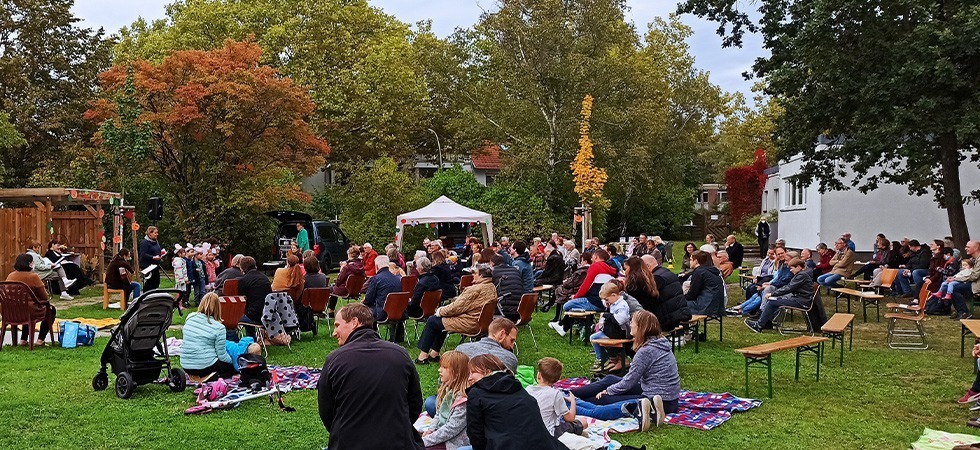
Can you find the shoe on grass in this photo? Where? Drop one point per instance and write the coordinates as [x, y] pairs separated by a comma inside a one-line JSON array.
[[596, 366], [68, 282], [974, 422], [640, 410], [658, 409], [965, 315], [558, 328], [65, 296], [975, 407], [753, 325]]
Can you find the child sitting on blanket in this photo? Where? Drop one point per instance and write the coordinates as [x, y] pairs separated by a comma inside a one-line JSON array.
[[449, 424], [558, 416], [650, 388]]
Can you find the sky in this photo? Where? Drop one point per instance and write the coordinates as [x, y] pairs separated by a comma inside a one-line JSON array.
[[725, 65]]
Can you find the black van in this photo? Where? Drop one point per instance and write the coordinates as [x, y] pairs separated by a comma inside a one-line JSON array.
[[327, 241]]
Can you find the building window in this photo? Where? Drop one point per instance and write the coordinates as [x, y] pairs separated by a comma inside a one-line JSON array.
[[490, 179], [795, 195], [765, 201], [703, 197], [722, 197]]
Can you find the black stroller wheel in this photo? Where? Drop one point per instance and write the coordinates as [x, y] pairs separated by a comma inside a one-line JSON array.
[[100, 381], [125, 386], [177, 380]]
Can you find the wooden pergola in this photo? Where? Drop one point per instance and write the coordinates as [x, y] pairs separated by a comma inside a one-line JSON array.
[[29, 214]]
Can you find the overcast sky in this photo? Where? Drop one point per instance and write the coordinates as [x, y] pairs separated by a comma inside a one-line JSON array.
[[725, 65]]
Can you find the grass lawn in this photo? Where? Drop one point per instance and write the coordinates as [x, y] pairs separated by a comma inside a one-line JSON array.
[[880, 399]]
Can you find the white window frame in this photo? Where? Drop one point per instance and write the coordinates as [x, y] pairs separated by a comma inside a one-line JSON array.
[[794, 195]]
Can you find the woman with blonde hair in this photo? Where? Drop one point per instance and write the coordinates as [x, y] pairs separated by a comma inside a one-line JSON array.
[[449, 426], [203, 351]]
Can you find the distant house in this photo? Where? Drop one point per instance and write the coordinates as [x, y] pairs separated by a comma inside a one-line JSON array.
[[484, 163], [711, 197], [807, 217]]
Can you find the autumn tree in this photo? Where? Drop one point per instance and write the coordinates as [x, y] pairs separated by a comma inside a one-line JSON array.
[[891, 85], [356, 62], [230, 137], [48, 67]]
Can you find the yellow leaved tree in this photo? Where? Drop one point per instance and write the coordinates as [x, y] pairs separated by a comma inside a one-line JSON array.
[[589, 179]]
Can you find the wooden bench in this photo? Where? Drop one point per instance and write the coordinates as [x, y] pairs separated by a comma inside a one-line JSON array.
[[584, 318], [834, 329], [618, 344], [864, 297], [677, 334], [969, 326], [762, 355], [541, 290]]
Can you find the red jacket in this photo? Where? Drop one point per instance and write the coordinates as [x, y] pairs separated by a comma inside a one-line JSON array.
[[595, 269], [825, 258], [369, 268]]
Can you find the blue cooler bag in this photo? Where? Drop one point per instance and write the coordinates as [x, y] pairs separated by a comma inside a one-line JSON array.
[[73, 334]]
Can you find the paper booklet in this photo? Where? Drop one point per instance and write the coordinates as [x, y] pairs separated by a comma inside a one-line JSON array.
[[149, 269]]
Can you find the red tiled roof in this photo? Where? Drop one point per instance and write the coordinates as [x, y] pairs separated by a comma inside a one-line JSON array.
[[487, 158]]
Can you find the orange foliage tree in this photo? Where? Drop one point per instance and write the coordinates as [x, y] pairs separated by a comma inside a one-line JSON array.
[[589, 179], [228, 136]]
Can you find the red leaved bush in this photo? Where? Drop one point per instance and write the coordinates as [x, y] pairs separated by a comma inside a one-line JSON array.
[[745, 185]]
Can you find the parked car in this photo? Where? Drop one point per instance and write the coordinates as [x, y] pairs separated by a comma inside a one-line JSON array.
[[326, 239]]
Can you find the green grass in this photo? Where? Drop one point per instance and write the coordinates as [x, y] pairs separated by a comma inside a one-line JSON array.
[[880, 399]]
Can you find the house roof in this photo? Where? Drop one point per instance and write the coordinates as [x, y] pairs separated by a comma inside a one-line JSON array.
[[487, 158]]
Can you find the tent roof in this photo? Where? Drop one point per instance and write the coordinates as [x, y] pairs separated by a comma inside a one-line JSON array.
[[443, 209]]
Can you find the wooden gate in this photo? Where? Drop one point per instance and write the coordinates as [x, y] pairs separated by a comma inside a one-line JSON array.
[[712, 223], [21, 225]]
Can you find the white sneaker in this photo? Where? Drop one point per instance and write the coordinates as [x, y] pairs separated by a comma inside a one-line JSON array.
[[658, 408], [68, 282], [65, 296], [558, 328]]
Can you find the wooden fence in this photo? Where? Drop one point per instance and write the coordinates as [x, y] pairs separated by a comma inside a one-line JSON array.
[[80, 230]]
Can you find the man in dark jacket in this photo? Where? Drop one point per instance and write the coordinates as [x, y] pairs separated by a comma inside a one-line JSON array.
[[254, 285], [735, 250], [149, 253], [369, 393], [492, 404], [523, 264], [707, 292], [509, 285], [428, 282], [554, 269], [378, 288], [762, 233], [919, 261], [798, 293], [671, 308]]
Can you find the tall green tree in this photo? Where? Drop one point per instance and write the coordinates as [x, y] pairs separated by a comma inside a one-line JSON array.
[[9, 138], [357, 62], [891, 84], [48, 67]]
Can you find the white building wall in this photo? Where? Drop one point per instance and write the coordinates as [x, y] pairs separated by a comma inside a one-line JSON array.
[[889, 210]]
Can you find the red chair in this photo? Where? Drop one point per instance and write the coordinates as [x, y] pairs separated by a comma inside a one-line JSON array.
[[483, 325], [526, 310], [395, 305], [232, 310], [20, 307], [230, 288], [465, 281], [317, 299], [354, 286], [409, 282], [430, 302]]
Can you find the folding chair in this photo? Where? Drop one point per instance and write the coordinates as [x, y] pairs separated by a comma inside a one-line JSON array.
[[317, 299], [354, 286], [409, 282], [526, 309], [230, 288], [430, 302], [483, 325], [395, 305], [232, 310], [465, 281], [912, 339], [785, 311]]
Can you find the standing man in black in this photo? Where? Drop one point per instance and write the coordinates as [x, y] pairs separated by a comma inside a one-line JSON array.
[[369, 393], [762, 232], [736, 253], [150, 255]]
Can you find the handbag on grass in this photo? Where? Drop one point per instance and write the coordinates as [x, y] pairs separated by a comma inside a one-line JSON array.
[[74, 334]]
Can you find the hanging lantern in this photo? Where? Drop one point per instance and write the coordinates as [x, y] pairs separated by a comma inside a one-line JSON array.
[[578, 218], [404, 221], [74, 193]]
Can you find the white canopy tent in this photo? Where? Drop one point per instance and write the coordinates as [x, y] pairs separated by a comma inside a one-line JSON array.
[[443, 209]]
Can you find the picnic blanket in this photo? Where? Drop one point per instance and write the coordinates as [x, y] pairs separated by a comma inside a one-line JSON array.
[[100, 324], [939, 440], [599, 430], [289, 378], [698, 410]]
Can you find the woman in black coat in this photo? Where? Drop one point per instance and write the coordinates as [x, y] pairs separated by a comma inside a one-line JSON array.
[[428, 282], [493, 404], [442, 271]]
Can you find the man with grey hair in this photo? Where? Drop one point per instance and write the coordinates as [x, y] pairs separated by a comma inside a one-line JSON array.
[[572, 254], [428, 282], [378, 288], [232, 273], [970, 286]]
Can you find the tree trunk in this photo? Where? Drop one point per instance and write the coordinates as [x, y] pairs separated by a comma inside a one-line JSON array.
[[952, 195]]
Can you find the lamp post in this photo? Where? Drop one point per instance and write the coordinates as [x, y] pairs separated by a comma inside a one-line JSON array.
[[439, 145]]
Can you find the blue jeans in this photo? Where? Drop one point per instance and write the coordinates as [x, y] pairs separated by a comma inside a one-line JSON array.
[[772, 306], [134, 291], [829, 280], [588, 392], [752, 304], [947, 287], [430, 406], [580, 303], [601, 412], [902, 283], [918, 277], [600, 352]]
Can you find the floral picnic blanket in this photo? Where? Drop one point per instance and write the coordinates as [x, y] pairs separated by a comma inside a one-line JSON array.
[[937, 440], [287, 378], [698, 410]]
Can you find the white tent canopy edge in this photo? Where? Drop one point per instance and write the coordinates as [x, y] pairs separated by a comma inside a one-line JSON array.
[[444, 209]]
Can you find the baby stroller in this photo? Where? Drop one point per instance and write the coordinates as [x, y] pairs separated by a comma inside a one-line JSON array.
[[137, 349]]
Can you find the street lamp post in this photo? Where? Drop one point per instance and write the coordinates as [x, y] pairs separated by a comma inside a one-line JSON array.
[[439, 145]]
